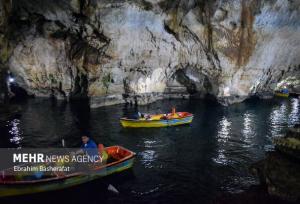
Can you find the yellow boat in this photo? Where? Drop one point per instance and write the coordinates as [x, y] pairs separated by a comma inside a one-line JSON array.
[[160, 120], [280, 94]]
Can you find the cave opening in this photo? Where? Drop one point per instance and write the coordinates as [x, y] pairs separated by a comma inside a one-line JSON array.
[[183, 79], [81, 88], [197, 84], [16, 92], [13, 89]]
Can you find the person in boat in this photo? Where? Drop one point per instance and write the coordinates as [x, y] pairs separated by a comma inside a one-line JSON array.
[[89, 146], [141, 115], [138, 116], [173, 111], [147, 116], [172, 114], [164, 117], [285, 90], [103, 153]]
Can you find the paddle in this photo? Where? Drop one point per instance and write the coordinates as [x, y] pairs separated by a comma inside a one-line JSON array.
[[63, 142]]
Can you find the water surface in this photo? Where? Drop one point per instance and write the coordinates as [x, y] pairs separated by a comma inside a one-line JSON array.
[[193, 163]]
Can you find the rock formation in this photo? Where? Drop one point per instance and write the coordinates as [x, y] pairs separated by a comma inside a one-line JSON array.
[[139, 51], [280, 171], [5, 10]]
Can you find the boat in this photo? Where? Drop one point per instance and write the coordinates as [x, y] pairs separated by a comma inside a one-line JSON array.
[[282, 93], [12, 185], [158, 120]]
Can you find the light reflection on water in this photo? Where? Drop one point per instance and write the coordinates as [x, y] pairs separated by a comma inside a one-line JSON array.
[[213, 154], [148, 157], [284, 115], [15, 131], [221, 157], [248, 129], [294, 116], [224, 129], [250, 125], [278, 117], [223, 136]]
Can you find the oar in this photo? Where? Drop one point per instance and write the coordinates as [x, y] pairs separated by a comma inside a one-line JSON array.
[[112, 189], [63, 142]]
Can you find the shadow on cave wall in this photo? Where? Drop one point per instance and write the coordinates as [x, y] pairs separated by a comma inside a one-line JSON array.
[[190, 81]]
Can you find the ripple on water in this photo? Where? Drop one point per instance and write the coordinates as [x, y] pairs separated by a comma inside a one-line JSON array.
[[172, 164], [15, 131]]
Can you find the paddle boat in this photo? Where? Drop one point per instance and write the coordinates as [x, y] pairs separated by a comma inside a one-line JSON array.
[[11, 185], [282, 93], [158, 120]]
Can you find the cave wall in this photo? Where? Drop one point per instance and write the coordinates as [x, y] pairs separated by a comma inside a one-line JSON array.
[[5, 51], [144, 50]]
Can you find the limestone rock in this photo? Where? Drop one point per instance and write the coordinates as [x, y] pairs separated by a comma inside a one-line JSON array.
[[5, 12], [280, 175], [45, 68], [279, 171], [126, 51]]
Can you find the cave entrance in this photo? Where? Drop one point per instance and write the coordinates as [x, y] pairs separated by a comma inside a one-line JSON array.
[[18, 92], [14, 90], [191, 82], [185, 80]]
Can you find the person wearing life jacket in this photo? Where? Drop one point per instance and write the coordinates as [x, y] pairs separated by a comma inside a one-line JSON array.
[[102, 152], [173, 111]]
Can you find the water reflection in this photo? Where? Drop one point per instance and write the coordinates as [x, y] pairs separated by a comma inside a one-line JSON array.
[[15, 131], [221, 157], [287, 114], [211, 155], [148, 157], [294, 116], [223, 136], [278, 117], [248, 130], [149, 143], [224, 131]]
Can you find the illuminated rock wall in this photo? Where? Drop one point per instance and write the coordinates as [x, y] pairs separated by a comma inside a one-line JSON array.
[[141, 51], [5, 10]]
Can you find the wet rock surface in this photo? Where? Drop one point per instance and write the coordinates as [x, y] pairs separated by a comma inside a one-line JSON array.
[[280, 171], [5, 51], [141, 51]]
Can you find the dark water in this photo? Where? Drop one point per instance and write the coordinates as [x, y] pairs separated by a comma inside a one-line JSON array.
[[194, 164]]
